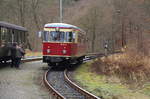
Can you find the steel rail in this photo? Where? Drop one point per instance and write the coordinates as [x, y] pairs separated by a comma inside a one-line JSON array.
[[87, 94], [28, 60], [58, 95], [31, 59], [54, 92]]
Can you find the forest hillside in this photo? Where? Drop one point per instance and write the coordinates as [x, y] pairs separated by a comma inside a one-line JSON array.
[[118, 23]]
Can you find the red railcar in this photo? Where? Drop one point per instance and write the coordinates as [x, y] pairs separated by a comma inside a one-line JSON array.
[[63, 43]]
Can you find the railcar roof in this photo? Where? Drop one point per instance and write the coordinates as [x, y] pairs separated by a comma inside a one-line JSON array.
[[12, 26], [62, 25]]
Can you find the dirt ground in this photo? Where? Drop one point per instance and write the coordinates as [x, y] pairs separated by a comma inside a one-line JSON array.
[[25, 83]]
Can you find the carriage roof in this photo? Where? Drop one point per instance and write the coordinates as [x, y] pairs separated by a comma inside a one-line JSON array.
[[12, 26], [61, 25]]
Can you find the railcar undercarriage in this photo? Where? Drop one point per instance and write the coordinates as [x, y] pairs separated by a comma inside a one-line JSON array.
[[56, 61]]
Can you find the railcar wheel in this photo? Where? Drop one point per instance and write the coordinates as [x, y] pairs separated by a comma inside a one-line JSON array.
[[80, 60]]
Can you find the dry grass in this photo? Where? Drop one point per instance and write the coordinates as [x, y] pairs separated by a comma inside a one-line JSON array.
[[109, 87], [130, 67]]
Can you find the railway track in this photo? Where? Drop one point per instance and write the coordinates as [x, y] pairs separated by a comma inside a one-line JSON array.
[[31, 59], [24, 60], [62, 88], [60, 85]]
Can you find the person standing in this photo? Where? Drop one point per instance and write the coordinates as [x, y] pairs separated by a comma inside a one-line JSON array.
[[19, 54], [16, 54], [22, 49], [13, 54]]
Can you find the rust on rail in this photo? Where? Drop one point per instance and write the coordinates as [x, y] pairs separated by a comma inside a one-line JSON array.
[[55, 93]]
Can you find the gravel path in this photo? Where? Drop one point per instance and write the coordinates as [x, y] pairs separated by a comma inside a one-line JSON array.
[[25, 83]]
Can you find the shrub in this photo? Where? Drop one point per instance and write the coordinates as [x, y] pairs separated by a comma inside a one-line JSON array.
[[129, 66]]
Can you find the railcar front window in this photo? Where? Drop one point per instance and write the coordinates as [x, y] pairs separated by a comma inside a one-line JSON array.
[[57, 36], [54, 36]]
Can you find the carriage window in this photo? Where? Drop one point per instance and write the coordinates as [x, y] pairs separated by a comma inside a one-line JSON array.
[[5, 35], [0, 33], [16, 36]]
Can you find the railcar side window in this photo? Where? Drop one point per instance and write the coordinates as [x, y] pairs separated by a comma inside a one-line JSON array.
[[46, 35], [74, 36], [69, 37], [79, 38]]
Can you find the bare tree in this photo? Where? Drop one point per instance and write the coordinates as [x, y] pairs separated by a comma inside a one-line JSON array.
[[34, 7], [21, 11]]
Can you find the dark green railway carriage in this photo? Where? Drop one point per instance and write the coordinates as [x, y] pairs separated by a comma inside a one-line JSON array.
[[10, 33]]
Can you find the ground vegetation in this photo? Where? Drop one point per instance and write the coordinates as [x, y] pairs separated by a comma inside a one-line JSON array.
[[110, 86]]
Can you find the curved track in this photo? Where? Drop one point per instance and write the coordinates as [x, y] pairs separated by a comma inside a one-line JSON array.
[[63, 88]]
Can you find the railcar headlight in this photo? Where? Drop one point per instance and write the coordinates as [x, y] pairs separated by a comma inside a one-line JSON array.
[[64, 51], [48, 50]]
